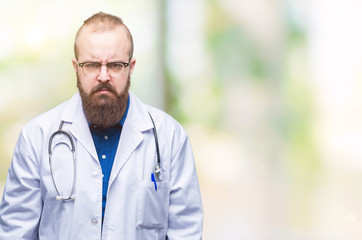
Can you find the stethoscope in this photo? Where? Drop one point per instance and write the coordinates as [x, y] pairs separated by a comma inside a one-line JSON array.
[[72, 148], [71, 196]]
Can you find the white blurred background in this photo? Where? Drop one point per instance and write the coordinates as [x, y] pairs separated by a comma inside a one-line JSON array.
[[268, 90]]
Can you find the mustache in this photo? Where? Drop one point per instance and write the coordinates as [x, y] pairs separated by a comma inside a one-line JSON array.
[[103, 86]]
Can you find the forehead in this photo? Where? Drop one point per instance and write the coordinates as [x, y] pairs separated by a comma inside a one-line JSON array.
[[97, 43]]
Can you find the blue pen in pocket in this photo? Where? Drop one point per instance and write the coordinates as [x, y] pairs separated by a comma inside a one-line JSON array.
[[153, 179]]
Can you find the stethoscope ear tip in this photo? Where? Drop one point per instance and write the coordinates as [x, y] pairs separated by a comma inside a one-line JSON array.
[[72, 197], [58, 198]]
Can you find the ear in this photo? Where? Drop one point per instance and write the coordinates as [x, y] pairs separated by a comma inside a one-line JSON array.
[[132, 64], [75, 64]]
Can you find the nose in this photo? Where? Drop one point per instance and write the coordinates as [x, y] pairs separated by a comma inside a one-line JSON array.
[[103, 74]]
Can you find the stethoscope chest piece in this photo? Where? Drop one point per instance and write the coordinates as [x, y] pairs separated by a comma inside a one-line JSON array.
[[157, 172]]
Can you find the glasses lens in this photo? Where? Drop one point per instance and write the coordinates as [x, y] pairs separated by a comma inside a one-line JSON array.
[[91, 69], [115, 68]]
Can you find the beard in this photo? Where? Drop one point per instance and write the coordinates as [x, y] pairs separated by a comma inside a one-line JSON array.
[[104, 110]]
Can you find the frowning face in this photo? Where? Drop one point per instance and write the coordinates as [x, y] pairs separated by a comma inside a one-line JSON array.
[[103, 72]]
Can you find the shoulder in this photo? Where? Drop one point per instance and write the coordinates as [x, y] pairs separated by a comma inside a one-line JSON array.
[[160, 117], [36, 132], [168, 128], [46, 120], [164, 119]]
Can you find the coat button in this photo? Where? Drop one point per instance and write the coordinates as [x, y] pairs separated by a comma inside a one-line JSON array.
[[95, 174], [94, 221]]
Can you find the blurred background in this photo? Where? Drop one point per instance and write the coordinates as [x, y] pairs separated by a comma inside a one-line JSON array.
[[268, 90]]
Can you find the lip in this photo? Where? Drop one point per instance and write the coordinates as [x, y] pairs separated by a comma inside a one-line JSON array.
[[104, 90]]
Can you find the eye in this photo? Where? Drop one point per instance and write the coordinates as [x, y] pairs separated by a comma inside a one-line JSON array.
[[92, 65], [115, 66]]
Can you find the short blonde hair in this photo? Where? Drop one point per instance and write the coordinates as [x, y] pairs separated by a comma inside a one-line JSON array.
[[103, 22]]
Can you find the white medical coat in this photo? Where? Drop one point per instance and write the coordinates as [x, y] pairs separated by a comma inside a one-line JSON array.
[[134, 209]]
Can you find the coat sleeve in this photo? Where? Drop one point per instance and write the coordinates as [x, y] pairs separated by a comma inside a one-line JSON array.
[[21, 205], [185, 212]]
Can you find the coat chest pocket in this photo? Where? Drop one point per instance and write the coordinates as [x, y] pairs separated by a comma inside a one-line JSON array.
[[152, 205]]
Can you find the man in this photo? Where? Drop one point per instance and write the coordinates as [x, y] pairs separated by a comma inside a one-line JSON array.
[[115, 187]]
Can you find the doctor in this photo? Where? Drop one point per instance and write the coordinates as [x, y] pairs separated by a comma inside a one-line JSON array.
[[115, 187]]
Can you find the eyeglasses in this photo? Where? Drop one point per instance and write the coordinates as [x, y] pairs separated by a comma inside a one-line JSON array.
[[92, 69]]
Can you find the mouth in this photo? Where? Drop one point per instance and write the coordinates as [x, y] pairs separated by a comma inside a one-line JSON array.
[[103, 94], [103, 90]]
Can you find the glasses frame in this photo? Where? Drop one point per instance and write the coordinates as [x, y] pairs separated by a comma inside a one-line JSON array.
[[104, 64]]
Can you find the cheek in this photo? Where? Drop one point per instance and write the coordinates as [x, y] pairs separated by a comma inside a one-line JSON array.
[[86, 85], [122, 85], [89, 85]]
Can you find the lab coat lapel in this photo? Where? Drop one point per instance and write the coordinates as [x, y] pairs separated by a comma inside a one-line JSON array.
[[128, 142], [79, 127], [136, 122]]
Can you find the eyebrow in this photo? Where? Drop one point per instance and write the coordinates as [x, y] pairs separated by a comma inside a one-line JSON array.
[[111, 61]]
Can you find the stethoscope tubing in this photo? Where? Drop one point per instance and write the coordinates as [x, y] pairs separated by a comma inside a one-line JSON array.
[[156, 140], [156, 170], [60, 131]]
